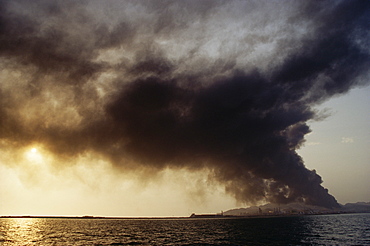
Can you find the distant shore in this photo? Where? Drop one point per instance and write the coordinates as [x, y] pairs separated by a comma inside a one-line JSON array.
[[193, 216], [83, 217]]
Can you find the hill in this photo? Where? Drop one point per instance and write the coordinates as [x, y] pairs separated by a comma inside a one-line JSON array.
[[297, 208]]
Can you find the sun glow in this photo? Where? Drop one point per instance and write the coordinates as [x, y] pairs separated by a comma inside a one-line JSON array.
[[20, 230], [34, 156]]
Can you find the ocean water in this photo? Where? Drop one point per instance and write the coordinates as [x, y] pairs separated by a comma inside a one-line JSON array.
[[342, 229]]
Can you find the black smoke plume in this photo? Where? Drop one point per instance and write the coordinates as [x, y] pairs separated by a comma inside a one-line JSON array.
[[182, 84]]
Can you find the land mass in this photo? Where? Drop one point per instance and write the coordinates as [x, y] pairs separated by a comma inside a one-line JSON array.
[[298, 208], [270, 209]]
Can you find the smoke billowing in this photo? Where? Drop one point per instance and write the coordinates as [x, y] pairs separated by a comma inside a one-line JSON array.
[[226, 85]]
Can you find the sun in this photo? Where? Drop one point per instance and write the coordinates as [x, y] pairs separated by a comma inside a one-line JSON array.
[[34, 156]]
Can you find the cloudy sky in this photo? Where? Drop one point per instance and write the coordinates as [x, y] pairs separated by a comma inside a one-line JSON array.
[[161, 108]]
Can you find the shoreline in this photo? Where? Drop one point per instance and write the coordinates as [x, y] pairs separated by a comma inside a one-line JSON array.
[[196, 217]]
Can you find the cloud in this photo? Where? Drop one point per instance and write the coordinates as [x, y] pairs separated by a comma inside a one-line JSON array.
[[223, 85], [347, 140]]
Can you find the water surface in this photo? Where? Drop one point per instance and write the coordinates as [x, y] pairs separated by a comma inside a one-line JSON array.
[[343, 229]]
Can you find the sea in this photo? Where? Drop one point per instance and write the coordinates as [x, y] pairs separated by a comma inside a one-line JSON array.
[[334, 229]]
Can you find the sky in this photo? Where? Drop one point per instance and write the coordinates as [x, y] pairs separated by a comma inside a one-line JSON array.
[[166, 108]]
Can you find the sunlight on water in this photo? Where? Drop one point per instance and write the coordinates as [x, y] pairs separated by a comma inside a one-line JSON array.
[[20, 231]]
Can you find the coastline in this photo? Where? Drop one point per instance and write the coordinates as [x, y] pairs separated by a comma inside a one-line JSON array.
[[193, 216]]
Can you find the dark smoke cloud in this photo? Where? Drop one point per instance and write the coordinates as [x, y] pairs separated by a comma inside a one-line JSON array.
[[182, 84]]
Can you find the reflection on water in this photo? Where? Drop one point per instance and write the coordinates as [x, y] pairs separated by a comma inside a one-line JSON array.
[[304, 230], [20, 231]]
